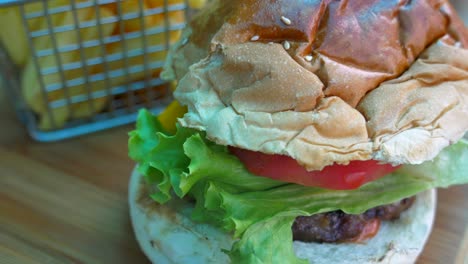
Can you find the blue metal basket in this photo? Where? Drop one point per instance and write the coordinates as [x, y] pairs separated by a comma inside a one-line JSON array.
[[95, 90]]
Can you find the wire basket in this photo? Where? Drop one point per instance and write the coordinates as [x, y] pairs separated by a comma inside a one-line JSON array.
[[73, 67]]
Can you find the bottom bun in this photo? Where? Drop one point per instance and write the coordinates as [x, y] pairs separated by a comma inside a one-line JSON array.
[[167, 234]]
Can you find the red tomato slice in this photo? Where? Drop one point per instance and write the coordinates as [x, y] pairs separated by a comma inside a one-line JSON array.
[[337, 177]]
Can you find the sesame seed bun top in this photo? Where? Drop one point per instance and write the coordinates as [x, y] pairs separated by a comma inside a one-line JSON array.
[[326, 81]]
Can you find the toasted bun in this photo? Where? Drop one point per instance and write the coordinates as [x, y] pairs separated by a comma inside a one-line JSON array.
[[326, 81], [168, 235]]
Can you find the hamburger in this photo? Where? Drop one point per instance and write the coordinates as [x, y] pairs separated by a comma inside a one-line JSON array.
[[314, 131]]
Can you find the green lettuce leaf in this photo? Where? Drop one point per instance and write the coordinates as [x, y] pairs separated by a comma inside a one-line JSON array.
[[264, 241], [259, 211]]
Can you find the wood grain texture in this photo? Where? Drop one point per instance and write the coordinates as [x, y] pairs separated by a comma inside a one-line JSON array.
[[66, 202]]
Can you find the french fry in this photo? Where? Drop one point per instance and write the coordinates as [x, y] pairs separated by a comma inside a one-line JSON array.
[[14, 36], [133, 8], [30, 82], [15, 40], [90, 107], [197, 4], [138, 44], [31, 89]]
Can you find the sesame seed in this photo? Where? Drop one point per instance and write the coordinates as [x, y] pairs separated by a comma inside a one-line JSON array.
[[286, 20], [308, 58], [255, 38], [286, 45]]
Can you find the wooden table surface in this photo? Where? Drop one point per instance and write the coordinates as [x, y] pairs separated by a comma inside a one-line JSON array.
[[66, 202]]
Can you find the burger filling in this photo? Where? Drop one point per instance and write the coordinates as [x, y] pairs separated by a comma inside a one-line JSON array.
[[337, 226], [335, 177]]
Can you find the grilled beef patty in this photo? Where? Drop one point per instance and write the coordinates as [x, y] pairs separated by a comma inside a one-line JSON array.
[[337, 226]]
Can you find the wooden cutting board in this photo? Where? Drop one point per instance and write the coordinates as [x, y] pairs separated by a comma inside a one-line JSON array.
[[66, 202]]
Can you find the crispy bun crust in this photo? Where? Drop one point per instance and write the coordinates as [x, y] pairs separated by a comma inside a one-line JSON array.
[[166, 234], [324, 81]]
